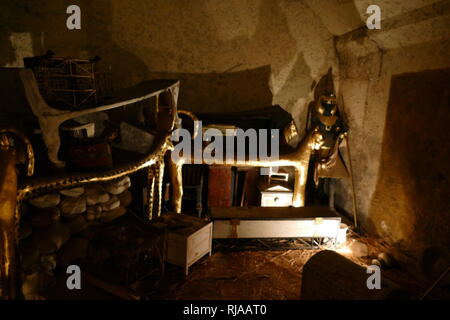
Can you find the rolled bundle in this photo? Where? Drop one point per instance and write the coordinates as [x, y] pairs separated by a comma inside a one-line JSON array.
[[330, 276]]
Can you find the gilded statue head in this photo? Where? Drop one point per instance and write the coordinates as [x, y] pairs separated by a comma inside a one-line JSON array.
[[326, 110]]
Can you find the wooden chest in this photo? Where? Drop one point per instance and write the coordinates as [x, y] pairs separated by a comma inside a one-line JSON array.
[[276, 196], [276, 199], [189, 239]]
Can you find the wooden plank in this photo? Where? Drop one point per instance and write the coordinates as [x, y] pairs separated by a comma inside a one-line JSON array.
[[253, 212], [182, 224], [198, 245], [219, 186], [298, 228], [114, 289], [176, 249]]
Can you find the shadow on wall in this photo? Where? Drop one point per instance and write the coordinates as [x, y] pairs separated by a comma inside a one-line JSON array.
[[410, 205], [217, 42], [33, 28], [297, 86], [206, 41], [219, 92], [44, 25]]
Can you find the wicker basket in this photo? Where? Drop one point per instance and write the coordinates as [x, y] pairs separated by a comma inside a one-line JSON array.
[[70, 83]]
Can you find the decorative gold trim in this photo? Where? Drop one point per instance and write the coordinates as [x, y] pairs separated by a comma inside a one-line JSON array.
[[8, 230], [194, 119], [35, 186], [5, 143]]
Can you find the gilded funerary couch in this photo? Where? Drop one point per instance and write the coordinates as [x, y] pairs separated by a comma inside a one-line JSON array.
[[31, 168]]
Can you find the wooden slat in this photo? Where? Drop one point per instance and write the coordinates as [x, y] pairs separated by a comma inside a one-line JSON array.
[[253, 212], [285, 228]]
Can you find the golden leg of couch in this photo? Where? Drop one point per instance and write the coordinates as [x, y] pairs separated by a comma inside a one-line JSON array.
[[8, 202]]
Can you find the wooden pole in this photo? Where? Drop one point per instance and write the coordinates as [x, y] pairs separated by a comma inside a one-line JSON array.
[[435, 283], [352, 182], [113, 289]]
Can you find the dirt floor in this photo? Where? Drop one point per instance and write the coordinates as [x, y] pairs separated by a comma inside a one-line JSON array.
[[257, 273], [246, 275], [263, 275]]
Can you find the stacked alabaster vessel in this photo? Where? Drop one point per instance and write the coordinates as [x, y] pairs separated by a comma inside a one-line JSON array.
[[55, 228]]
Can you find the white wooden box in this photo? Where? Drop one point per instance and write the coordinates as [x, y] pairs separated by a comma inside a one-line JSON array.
[[276, 199], [276, 196], [189, 241]]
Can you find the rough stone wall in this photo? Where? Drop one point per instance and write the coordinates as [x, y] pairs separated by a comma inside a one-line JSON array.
[[410, 41], [230, 55]]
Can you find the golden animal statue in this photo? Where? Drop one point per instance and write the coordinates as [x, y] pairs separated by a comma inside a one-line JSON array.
[[10, 155], [298, 158]]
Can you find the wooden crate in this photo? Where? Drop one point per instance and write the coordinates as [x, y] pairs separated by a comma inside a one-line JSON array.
[[189, 239]]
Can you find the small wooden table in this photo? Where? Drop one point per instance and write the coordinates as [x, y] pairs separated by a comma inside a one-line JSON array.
[[188, 239]]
